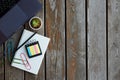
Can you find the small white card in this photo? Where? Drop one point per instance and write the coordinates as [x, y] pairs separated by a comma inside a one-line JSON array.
[[21, 56]]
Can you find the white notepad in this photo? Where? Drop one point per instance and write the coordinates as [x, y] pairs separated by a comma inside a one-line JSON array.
[[34, 62]]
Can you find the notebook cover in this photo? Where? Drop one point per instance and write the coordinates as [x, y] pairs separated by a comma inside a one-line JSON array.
[[6, 5], [17, 16]]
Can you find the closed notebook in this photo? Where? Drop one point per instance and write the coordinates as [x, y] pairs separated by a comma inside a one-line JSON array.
[[13, 19], [29, 57]]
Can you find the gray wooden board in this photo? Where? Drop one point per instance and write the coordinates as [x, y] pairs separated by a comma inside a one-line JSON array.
[[96, 39], [68, 42], [76, 40], [113, 39], [12, 73], [1, 63], [55, 29]]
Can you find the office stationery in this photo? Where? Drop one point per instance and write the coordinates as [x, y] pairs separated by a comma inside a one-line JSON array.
[[25, 61], [15, 15], [33, 49], [26, 41], [33, 62], [16, 60]]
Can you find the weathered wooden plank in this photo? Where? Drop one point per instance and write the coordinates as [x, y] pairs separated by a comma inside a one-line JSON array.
[[96, 39], [55, 29], [12, 73], [1, 63], [76, 40], [41, 74], [113, 39]]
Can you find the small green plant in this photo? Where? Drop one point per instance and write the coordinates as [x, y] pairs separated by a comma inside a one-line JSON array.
[[35, 23]]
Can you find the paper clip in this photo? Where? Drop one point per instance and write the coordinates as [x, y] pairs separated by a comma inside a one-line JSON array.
[[25, 61]]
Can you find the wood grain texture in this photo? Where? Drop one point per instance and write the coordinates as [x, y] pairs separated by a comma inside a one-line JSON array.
[[1, 63], [55, 29], [41, 74], [114, 39], [67, 48], [76, 38], [12, 73], [96, 39]]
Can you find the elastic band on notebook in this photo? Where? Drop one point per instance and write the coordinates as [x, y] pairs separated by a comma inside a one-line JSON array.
[[25, 41]]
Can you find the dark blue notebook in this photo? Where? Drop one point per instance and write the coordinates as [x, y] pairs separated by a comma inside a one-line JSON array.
[[17, 15], [6, 5]]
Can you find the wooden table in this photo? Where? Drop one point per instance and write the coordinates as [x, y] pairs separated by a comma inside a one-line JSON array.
[[85, 42]]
